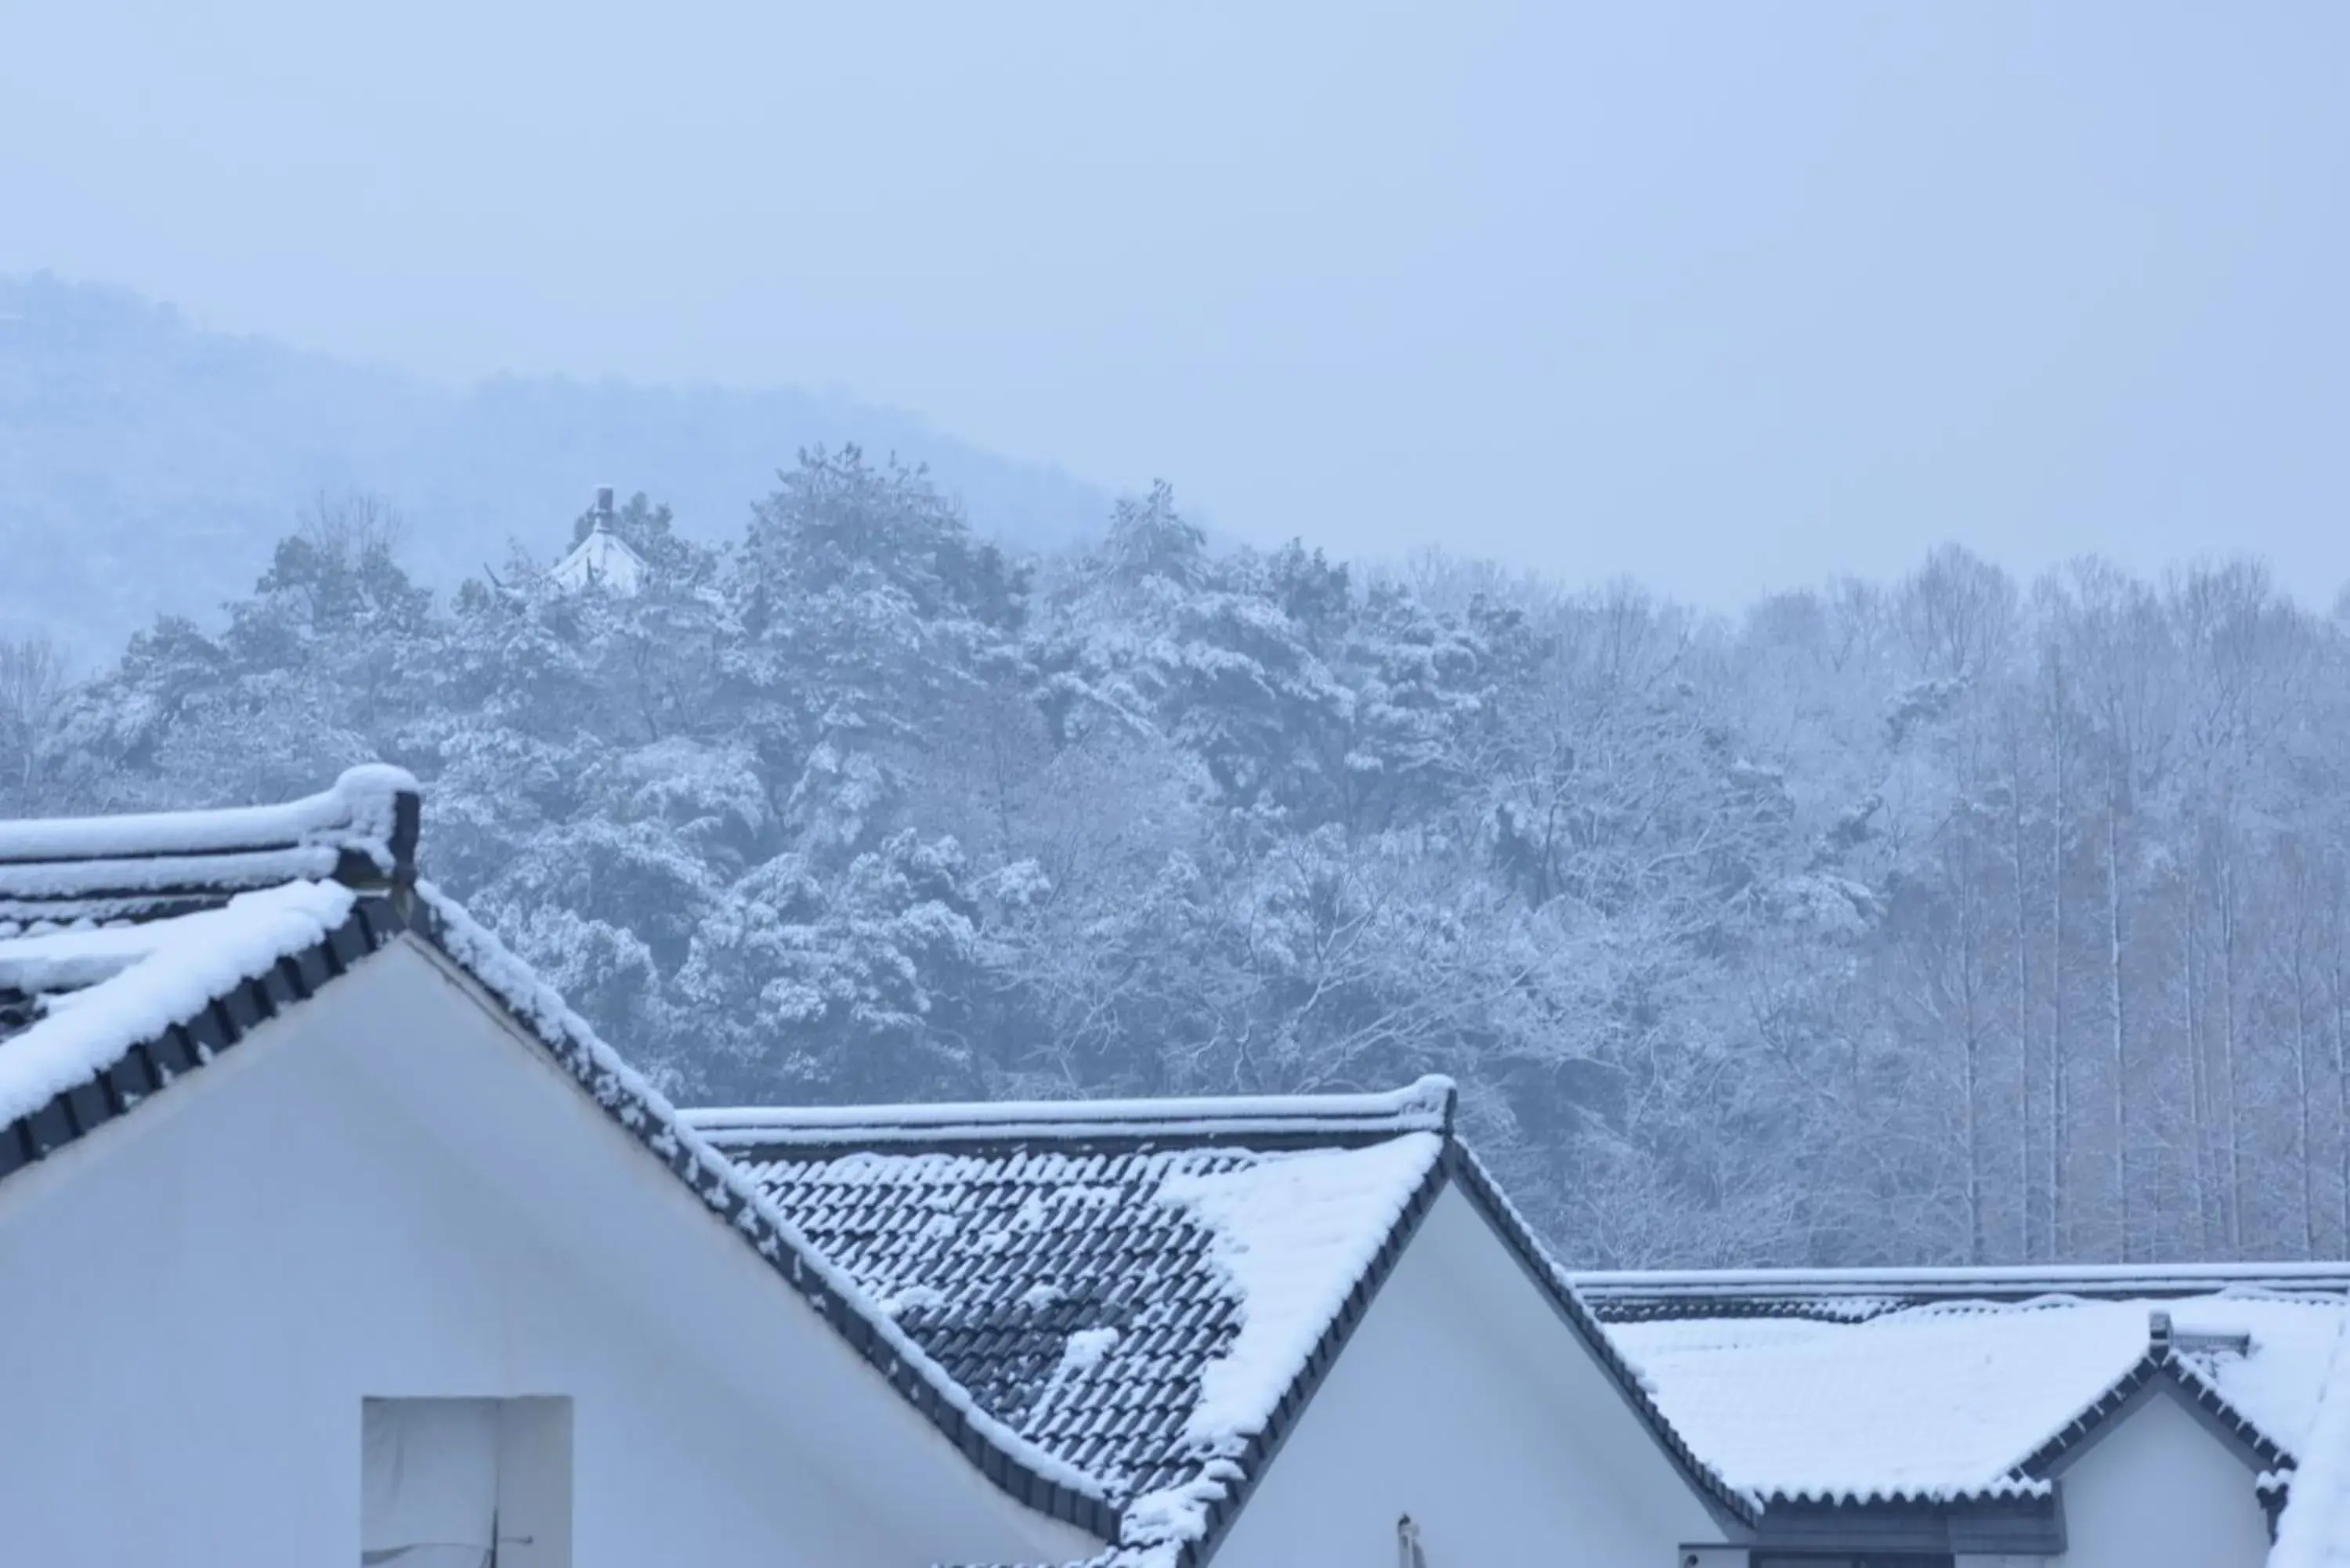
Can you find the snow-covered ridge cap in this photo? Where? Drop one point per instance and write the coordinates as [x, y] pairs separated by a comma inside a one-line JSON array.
[[359, 805], [1864, 1293], [1422, 1106], [64, 870]]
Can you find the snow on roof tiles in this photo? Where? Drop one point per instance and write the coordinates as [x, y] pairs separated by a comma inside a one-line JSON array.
[[1961, 1400], [1131, 1286], [2313, 1531], [85, 998]]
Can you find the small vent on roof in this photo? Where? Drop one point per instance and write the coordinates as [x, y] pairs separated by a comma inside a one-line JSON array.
[[2212, 1343], [2158, 1331]]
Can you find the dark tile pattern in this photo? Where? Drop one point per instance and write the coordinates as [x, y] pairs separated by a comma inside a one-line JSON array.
[[999, 1263]]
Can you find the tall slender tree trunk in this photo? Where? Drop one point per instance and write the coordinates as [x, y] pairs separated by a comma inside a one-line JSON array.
[[2199, 1086], [2341, 1079], [2301, 1087], [2023, 1010], [2233, 1122], [2121, 1035], [1970, 1009], [2059, 1106]]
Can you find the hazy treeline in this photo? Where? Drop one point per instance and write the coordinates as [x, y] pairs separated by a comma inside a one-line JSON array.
[[1951, 920], [148, 465]]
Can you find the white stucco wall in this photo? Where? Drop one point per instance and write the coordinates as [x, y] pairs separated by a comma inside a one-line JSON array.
[[2161, 1490], [382, 1195], [1464, 1401]]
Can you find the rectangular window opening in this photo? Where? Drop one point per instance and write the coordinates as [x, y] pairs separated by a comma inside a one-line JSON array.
[[465, 1483]]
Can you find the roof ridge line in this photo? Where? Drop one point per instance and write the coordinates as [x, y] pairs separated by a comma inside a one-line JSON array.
[[1424, 1105], [359, 800], [58, 872], [1875, 1279]]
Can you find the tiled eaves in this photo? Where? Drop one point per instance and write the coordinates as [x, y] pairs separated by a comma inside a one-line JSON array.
[[2013, 1486], [2264, 1452], [2160, 1361], [149, 1066], [178, 875]]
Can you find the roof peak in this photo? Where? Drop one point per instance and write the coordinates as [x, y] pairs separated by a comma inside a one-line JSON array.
[[1425, 1106]]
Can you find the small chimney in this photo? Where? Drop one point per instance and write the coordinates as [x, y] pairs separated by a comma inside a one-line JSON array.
[[603, 506]]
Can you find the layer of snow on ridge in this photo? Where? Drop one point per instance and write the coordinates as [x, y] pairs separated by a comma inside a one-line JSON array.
[[106, 881], [640, 1106], [357, 811], [1292, 1233], [2315, 1532], [1419, 1107], [183, 965]]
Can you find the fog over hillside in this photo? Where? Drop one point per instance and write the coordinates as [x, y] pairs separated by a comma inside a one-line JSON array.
[[146, 466]]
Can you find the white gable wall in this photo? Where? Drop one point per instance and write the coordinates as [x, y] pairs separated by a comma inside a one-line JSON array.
[[2161, 1490], [382, 1194], [1463, 1400]]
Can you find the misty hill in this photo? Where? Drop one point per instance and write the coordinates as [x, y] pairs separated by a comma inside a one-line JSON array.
[[146, 466]]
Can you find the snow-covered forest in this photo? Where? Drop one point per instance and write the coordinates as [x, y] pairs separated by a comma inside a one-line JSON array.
[[1954, 919]]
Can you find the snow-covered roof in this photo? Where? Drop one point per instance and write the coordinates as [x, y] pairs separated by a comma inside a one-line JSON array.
[[1812, 1388], [602, 560], [1147, 1290], [2313, 1531], [136, 949], [1851, 1294]]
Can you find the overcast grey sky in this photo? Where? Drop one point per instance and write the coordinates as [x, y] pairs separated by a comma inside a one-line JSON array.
[[1729, 296]]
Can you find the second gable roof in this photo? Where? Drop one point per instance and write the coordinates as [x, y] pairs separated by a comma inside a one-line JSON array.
[[1147, 1290], [1809, 1388]]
